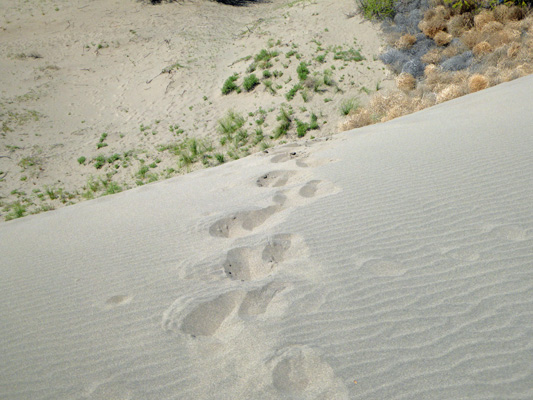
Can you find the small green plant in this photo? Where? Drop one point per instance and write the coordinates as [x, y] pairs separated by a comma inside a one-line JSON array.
[[285, 120], [250, 82], [101, 142], [301, 128], [348, 55], [82, 160], [230, 85], [99, 161], [18, 210], [302, 71], [291, 93], [269, 85], [220, 158], [376, 9], [348, 105], [267, 74], [328, 77], [231, 123]]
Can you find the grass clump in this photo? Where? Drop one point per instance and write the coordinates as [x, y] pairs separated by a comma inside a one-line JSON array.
[[250, 82], [285, 122], [230, 85], [376, 9], [230, 123], [291, 93], [348, 105], [302, 71]]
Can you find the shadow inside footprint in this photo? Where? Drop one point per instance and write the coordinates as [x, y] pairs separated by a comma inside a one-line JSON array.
[[206, 318], [280, 158], [248, 263], [117, 300], [309, 189], [256, 301], [274, 179], [233, 226]]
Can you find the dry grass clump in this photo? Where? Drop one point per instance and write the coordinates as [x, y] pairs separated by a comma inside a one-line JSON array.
[[442, 38], [503, 13], [482, 19], [477, 82], [432, 57], [362, 117], [482, 48], [458, 24], [406, 41], [434, 21], [406, 82], [450, 92], [513, 50]]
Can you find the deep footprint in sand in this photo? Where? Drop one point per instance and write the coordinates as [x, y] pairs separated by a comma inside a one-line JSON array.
[[275, 178], [205, 318], [300, 370], [256, 301], [286, 156], [242, 223], [249, 263]]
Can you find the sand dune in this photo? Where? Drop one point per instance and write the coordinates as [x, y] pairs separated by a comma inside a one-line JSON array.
[[391, 262]]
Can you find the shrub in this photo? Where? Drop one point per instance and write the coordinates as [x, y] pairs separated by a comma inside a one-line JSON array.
[[406, 82], [376, 9], [229, 85], [477, 82], [285, 123], [291, 93], [250, 82], [348, 105], [302, 71]]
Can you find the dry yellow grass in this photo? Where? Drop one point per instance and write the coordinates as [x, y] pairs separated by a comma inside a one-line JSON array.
[[406, 82], [442, 38], [458, 24], [481, 49], [406, 41], [471, 38], [477, 82], [483, 18], [432, 57], [450, 92], [513, 50]]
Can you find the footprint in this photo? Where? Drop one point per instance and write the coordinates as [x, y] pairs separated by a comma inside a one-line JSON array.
[[309, 189], [286, 156], [118, 300], [248, 263], [275, 178], [465, 254], [384, 268], [111, 390], [299, 370], [256, 301], [510, 232], [206, 318], [241, 223], [312, 189], [314, 163]]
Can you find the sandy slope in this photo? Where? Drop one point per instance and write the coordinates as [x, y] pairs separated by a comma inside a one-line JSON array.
[[99, 71], [392, 262]]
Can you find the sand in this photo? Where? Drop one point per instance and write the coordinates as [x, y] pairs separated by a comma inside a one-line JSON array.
[[390, 262], [74, 70]]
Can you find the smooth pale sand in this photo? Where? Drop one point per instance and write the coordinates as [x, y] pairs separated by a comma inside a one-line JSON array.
[[391, 262]]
